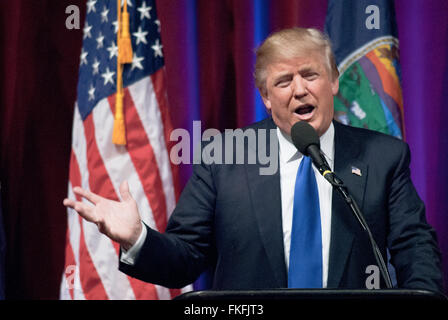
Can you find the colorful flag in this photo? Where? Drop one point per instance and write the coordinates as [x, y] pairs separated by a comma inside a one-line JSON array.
[[91, 261], [364, 38]]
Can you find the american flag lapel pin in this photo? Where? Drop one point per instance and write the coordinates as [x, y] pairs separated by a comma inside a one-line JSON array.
[[356, 171]]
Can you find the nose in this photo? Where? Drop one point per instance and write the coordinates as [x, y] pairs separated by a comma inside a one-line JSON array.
[[299, 87]]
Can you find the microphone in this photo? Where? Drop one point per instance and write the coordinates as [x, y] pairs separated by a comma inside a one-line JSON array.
[[306, 140]]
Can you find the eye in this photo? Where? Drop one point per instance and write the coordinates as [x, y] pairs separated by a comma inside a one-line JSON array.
[[311, 76], [283, 82]]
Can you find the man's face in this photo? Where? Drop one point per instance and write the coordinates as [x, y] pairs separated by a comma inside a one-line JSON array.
[[300, 89]]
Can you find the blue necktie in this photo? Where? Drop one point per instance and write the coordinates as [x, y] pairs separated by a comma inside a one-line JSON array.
[[305, 258]]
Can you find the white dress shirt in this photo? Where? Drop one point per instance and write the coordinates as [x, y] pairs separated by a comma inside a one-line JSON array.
[[289, 160], [129, 256]]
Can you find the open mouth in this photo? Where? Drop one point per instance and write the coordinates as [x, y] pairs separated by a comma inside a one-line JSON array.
[[305, 109]]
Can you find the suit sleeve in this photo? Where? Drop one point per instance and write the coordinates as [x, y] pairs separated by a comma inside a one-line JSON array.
[[412, 241], [177, 257]]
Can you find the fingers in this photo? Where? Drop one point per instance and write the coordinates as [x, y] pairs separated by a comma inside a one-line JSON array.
[[86, 211], [124, 191], [92, 197]]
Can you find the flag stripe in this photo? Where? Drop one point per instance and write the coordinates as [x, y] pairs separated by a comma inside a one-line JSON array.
[[116, 165], [89, 278], [148, 109], [91, 281], [117, 160], [102, 249], [159, 86], [143, 159], [84, 262]]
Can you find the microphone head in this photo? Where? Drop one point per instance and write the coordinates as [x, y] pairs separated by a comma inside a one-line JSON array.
[[303, 135]]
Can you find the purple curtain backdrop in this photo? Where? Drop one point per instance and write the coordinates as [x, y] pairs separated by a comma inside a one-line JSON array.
[[423, 35], [208, 48]]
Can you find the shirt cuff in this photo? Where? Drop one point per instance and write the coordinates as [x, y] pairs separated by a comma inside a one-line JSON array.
[[130, 255]]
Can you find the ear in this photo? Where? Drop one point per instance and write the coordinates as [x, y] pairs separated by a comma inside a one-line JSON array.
[[266, 100], [335, 86]]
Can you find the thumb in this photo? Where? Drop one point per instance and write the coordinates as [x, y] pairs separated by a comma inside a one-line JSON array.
[[124, 191]]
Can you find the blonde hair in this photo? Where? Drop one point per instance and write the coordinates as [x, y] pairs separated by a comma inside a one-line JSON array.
[[292, 43]]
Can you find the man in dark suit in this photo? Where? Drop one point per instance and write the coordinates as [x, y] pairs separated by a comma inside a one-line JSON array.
[[240, 222]]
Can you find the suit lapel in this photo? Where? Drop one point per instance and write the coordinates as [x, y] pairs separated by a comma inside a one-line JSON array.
[[266, 202], [353, 173]]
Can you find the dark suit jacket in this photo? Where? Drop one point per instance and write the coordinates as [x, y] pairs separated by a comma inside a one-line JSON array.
[[229, 217]]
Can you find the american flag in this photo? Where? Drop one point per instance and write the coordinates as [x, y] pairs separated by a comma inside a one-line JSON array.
[[91, 259], [356, 171]]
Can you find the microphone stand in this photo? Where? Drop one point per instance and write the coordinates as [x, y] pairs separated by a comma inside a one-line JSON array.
[[339, 185]]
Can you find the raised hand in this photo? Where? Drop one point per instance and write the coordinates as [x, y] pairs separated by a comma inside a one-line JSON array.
[[120, 221]]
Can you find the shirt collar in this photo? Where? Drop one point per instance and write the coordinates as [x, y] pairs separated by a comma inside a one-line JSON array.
[[288, 152]]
